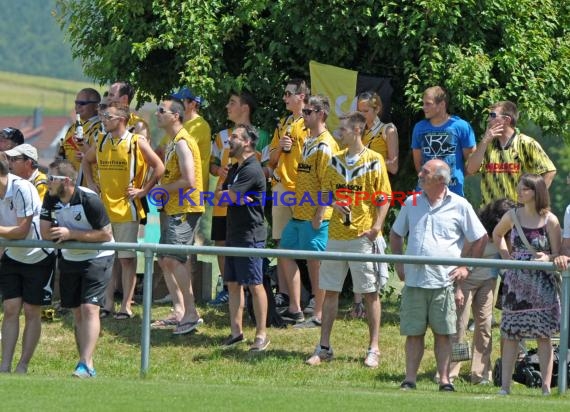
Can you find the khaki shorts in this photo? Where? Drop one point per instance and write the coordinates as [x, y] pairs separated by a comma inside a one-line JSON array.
[[333, 272], [421, 307], [280, 214], [127, 232]]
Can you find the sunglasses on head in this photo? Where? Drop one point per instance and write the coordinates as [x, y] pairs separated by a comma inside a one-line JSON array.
[[85, 102], [51, 178]]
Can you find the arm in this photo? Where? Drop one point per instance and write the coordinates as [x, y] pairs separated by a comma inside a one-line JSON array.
[[381, 213], [140, 128], [475, 160], [186, 164], [417, 154], [94, 235], [89, 159], [549, 177], [397, 247], [393, 148], [154, 162], [470, 249], [20, 231], [504, 225]]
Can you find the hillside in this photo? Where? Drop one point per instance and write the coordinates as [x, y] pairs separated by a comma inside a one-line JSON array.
[[31, 41]]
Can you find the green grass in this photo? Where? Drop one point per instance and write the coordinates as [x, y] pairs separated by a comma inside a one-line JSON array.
[[192, 372], [20, 94]]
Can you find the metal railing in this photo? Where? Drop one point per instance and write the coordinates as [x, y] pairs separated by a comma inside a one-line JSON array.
[[150, 249]]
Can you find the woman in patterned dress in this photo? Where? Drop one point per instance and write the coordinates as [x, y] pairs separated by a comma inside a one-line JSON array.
[[531, 305]]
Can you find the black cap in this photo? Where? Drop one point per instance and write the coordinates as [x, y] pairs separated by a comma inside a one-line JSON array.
[[13, 134]]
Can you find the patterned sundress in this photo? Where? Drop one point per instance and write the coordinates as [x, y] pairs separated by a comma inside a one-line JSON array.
[[531, 305]]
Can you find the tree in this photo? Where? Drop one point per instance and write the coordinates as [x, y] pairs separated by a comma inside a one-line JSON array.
[[481, 50]]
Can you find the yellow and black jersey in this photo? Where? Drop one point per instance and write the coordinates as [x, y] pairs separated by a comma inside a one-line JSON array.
[[375, 137], [315, 157], [286, 169], [71, 148], [363, 184]]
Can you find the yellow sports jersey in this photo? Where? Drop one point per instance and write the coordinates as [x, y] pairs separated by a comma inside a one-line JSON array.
[[286, 170], [120, 163], [200, 130], [71, 149], [360, 184], [220, 157], [133, 120], [375, 137], [315, 157], [39, 180], [178, 201], [501, 168]]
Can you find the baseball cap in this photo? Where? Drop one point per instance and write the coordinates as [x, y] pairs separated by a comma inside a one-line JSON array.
[[186, 93], [24, 149], [13, 134]]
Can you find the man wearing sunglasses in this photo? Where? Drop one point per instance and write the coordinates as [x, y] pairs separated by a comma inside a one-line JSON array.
[[73, 149], [26, 274], [123, 160], [122, 93], [23, 161], [504, 154]]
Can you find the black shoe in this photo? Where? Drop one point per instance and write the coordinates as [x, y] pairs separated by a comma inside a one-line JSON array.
[[231, 341], [406, 386], [292, 317], [281, 300], [446, 387]]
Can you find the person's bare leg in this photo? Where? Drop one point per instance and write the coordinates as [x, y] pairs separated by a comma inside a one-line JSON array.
[[259, 298], [182, 276], [314, 267], [442, 349], [545, 359], [10, 332], [330, 310], [236, 303], [88, 332], [31, 336], [508, 358], [128, 280], [293, 279], [373, 305], [414, 355]]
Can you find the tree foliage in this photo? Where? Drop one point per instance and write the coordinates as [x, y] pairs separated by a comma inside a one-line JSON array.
[[481, 50]]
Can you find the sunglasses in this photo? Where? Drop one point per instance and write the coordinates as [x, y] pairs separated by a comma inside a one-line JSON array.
[[162, 110], [307, 112], [51, 178], [102, 106], [494, 115], [109, 116], [289, 93], [85, 102]]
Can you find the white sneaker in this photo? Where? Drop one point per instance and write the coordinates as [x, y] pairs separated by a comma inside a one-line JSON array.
[[320, 355], [372, 359]]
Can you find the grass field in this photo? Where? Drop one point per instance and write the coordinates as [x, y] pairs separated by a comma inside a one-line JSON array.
[[20, 94], [191, 372]]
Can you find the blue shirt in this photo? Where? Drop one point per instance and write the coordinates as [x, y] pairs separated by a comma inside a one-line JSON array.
[[445, 142], [439, 230]]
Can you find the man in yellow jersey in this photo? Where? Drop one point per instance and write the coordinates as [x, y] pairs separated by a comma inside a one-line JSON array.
[[86, 105], [23, 161], [123, 159], [240, 108], [358, 179], [284, 154], [181, 188], [308, 230], [122, 93], [505, 154]]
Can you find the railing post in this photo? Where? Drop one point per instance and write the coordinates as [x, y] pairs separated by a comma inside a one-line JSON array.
[[147, 303], [564, 328]]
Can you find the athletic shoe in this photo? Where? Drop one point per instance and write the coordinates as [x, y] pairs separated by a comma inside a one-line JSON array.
[[230, 341], [310, 308], [407, 386], [222, 298], [312, 322], [83, 371], [320, 355], [259, 344], [372, 359], [292, 317]]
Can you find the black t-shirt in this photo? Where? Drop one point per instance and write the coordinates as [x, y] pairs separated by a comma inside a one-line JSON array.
[[245, 219]]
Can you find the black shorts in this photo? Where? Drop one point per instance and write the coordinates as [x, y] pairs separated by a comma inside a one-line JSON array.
[[84, 281], [218, 228], [31, 282]]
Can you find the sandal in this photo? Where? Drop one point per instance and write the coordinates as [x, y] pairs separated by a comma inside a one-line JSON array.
[[164, 323], [104, 313], [123, 315]]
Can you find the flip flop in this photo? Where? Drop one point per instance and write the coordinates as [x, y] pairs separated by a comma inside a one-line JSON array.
[[123, 316], [187, 327], [164, 323]]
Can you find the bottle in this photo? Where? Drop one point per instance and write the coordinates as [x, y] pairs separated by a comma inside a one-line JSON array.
[[61, 150], [288, 133], [78, 128], [348, 219]]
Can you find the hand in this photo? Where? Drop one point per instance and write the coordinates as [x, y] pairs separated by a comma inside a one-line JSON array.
[[223, 172], [59, 234], [341, 207], [459, 297], [79, 155], [561, 262], [316, 222], [371, 234], [95, 188], [459, 273], [541, 257], [286, 143], [492, 133], [134, 192]]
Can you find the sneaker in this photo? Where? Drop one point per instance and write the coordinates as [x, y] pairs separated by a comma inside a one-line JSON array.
[[312, 322], [372, 359], [230, 341], [221, 299], [503, 392], [281, 300], [320, 355], [83, 371], [310, 308], [164, 300], [259, 344], [292, 317], [187, 327]]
